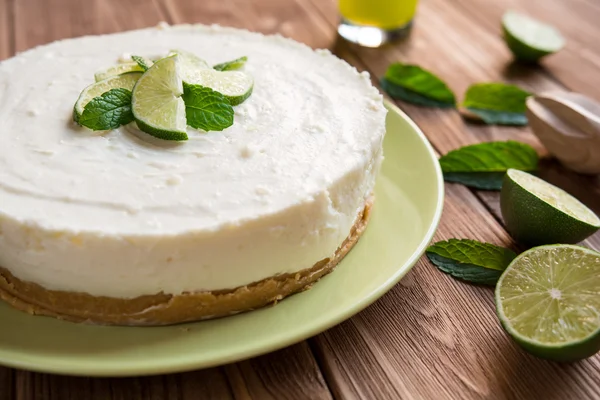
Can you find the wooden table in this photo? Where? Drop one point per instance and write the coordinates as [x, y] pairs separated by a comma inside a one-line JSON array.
[[430, 336]]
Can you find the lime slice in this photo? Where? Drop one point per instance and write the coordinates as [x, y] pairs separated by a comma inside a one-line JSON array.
[[189, 61], [118, 69], [236, 86], [156, 101], [548, 300], [126, 81], [529, 39], [536, 212]]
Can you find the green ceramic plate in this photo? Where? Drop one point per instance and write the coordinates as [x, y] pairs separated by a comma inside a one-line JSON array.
[[409, 196]]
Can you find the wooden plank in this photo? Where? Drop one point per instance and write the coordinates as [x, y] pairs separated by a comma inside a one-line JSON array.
[[289, 18], [7, 383], [42, 21], [6, 29], [434, 337], [577, 65], [205, 384], [291, 373]]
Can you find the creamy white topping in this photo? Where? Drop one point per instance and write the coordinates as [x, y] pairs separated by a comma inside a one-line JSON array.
[[121, 214]]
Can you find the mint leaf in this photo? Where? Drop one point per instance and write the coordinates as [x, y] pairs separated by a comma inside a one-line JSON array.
[[206, 109], [400, 93], [416, 85], [483, 165], [470, 260], [108, 111], [143, 62], [231, 65], [496, 103]]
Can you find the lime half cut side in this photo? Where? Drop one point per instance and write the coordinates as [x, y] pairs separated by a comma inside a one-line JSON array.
[[536, 212], [236, 86], [529, 39], [548, 300], [117, 70], [156, 101], [125, 81]]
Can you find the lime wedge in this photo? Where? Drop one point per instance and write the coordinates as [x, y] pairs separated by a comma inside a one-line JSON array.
[[536, 212], [189, 61], [529, 39], [156, 101], [236, 86], [117, 70], [126, 81], [548, 300]]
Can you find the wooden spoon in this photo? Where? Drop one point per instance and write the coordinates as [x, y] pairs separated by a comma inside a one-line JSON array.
[[568, 124]]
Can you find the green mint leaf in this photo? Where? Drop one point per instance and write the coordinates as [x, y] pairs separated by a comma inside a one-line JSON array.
[[206, 109], [108, 111], [470, 260], [496, 103], [400, 93], [419, 86], [231, 65], [143, 62], [483, 165]]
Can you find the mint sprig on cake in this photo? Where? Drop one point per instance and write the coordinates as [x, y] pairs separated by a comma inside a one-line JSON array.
[[152, 94]]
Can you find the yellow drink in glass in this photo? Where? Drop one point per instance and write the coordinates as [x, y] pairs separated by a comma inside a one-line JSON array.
[[374, 22], [384, 14]]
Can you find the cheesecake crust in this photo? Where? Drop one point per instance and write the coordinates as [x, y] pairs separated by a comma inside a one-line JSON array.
[[167, 309]]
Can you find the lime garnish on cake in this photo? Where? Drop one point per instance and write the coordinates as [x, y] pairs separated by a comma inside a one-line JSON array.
[[548, 300], [236, 86], [156, 101], [536, 212], [123, 81], [118, 69]]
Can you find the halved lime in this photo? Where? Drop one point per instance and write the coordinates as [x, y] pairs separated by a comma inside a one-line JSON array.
[[548, 300], [529, 39], [117, 70], [125, 81], [189, 61], [236, 86], [156, 101], [536, 212]]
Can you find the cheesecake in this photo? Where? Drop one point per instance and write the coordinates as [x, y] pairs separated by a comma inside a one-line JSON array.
[[118, 227]]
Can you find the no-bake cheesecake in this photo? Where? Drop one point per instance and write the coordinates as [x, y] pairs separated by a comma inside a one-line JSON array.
[[119, 227]]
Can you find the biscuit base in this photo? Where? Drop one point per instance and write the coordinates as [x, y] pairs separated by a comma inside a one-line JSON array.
[[166, 309]]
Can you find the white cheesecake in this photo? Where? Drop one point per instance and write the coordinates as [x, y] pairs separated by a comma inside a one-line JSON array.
[[117, 227]]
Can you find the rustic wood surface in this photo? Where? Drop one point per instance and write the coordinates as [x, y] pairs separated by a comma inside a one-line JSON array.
[[430, 336]]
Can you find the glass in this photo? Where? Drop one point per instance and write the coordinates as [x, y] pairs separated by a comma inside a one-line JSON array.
[[372, 23]]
